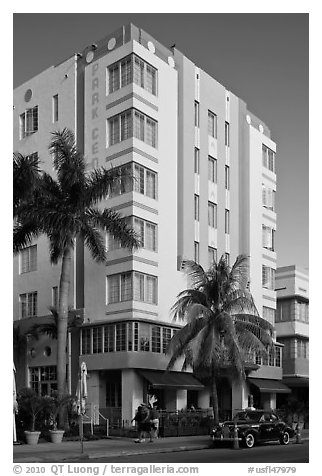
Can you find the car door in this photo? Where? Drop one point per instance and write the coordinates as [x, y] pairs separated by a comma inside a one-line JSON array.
[[275, 432], [266, 427]]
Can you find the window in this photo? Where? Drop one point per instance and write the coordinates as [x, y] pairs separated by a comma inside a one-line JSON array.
[[283, 311], [86, 341], [119, 287], [302, 349], [258, 358], [212, 255], [212, 169], [197, 161], [196, 249], [277, 356], [145, 181], [29, 122], [268, 236], [132, 69], [109, 338], [28, 304], [151, 79], [269, 315], [113, 394], [227, 221], [212, 124], [156, 339], [302, 311], [145, 288], [54, 297], [151, 289], [151, 132], [166, 338], [227, 177], [28, 259], [147, 232], [114, 77], [55, 108], [43, 380], [197, 119], [150, 236], [271, 355], [227, 258], [212, 215], [97, 340], [268, 158], [126, 72], [132, 123], [120, 344], [227, 134], [197, 207], [268, 277], [268, 197]]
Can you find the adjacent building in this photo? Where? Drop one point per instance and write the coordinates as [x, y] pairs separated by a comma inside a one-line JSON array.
[[292, 327], [205, 185]]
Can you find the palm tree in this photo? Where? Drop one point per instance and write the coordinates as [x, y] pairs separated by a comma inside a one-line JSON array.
[[64, 209], [25, 178], [222, 323], [50, 326]]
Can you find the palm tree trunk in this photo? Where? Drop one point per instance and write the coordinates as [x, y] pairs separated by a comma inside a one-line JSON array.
[[214, 397], [63, 321]]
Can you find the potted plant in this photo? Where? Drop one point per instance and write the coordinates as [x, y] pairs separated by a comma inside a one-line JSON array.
[[30, 405], [55, 405]]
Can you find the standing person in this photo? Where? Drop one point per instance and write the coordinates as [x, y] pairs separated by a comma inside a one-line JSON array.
[[142, 421], [154, 420]]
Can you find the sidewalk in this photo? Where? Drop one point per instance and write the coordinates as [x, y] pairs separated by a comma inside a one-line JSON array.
[[70, 451]]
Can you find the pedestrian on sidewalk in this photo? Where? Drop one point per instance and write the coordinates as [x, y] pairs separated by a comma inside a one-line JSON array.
[[154, 420], [142, 418]]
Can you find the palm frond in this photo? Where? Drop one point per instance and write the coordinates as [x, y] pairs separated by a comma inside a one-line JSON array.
[[69, 162], [182, 337], [102, 182], [238, 302], [186, 299], [195, 273], [25, 178], [250, 343], [112, 222], [94, 242], [255, 323], [239, 273], [24, 234]]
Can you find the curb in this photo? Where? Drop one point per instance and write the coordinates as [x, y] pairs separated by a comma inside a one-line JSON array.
[[149, 451], [107, 454], [116, 454]]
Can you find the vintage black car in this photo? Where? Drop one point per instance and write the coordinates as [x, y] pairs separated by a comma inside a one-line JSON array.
[[253, 426]]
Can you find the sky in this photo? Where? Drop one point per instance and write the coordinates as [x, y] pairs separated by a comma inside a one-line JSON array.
[[261, 57]]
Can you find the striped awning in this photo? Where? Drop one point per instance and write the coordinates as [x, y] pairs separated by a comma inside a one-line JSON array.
[[268, 385], [174, 380]]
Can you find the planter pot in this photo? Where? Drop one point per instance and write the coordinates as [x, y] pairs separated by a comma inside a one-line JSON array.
[[56, 436], [32, 437]]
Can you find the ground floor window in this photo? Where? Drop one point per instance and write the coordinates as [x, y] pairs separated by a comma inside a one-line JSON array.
[[43, 380], [113, 390]]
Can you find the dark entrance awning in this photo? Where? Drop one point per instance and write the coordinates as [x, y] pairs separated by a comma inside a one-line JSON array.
[[267, 385], [174, 380]]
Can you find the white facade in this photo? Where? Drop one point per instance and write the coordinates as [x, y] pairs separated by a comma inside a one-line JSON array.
[[132, 101]]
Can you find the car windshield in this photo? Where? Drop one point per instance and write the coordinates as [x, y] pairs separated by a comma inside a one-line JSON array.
[[247, 416]]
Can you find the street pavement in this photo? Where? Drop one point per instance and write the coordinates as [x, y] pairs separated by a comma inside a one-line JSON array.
[[268, 453], [71, 451]]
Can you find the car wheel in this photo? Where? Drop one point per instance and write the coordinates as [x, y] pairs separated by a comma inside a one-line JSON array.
[[285, 438], [249, 440]]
